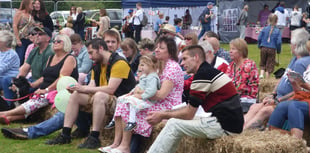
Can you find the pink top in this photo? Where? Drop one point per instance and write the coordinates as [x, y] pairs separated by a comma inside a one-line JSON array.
[[172, 72], [28, 50]]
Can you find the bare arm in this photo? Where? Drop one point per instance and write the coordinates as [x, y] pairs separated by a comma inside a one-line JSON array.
[[24, 69], [165, 89], [186, 113], [16, 19]]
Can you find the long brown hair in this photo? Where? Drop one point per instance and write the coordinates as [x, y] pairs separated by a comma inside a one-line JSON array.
[[24, 5], [130, 43], [103, 12], [42, 12]]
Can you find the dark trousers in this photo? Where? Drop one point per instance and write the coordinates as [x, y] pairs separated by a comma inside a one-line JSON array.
[[138, 29]]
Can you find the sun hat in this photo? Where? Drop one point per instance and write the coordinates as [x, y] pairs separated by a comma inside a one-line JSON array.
[[169, 28]]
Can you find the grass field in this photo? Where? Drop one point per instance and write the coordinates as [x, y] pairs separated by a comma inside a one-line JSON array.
[[38, 146]]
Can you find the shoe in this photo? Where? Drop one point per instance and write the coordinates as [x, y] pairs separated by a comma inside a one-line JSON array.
[[261, 77], [130, 126], [111, 125], [60, 139], [17, 133], [90, 143], [79, 134], [4, 120], [105, 149], [115, 151]]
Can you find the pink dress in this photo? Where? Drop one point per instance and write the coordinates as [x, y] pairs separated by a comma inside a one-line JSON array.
[[172, 72]]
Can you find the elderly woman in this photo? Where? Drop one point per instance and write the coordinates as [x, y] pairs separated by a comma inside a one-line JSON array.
[[60, 64], [130, 50], [169, 95], [269, 42], [8, 57], [243, 73], [22, 23], [191, 39], [261, 111], [104, 22]]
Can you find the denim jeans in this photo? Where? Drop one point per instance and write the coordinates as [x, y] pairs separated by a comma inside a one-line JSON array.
[[21, 50], [175, 129], [56, 123], [205, 28], [293, 111]]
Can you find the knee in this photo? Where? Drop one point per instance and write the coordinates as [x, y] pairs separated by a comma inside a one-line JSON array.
[[266, 111], [100, 98], [255, 107]]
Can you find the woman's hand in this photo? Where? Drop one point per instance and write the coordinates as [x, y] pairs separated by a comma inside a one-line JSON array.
[[18, 43], [40, 92]]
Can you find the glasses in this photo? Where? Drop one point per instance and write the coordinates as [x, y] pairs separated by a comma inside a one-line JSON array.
[[188, 38], [57, 41], [33, 34]]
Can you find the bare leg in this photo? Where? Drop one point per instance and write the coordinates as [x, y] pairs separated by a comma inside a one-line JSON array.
[[125, 144], [297, 133], [262, 71], [99, 109], [267, 75], [281, 130], [15, 117], [76, 99], [260, 117], [252, 112], [20, 110], [118, 132]]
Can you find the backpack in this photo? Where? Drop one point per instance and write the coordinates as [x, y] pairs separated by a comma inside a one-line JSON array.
[[144, 20]]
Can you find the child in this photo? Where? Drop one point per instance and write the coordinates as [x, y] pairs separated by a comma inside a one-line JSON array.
[[138, 98]]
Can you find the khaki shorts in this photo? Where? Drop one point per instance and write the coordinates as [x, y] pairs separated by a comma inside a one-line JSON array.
[[110, 105]]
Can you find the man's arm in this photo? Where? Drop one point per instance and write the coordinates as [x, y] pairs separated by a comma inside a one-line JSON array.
[[186, 113], [24, 69]]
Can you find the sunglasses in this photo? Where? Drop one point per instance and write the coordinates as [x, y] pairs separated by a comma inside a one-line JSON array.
[[57, 41], [33, 34], [164, 33], [188, 38]]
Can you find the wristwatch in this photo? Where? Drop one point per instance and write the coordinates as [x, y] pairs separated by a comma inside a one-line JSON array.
[[46, 89]]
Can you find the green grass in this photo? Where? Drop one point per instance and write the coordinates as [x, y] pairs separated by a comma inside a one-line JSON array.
[[254, 54], [38, 146]]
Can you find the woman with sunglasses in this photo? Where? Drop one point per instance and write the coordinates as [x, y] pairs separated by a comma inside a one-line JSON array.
[[62, 63], [191, 39]]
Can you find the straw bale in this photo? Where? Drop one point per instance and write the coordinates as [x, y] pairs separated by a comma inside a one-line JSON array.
[[266, 87]]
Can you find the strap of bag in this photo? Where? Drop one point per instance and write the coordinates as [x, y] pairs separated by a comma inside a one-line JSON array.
[[22, 30]]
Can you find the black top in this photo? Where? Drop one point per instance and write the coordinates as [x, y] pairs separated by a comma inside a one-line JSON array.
[[135, 63], [51, 73], [47, 22], [79, 23]]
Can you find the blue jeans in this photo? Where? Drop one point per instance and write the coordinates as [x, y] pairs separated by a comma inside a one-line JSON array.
[[21, 50], [293, 111], [205, 28], [56, 123]]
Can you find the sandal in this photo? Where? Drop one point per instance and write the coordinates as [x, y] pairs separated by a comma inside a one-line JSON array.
[[105, 149], [4, 120]]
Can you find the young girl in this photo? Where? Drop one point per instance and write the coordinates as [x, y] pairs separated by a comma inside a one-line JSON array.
[[138, 98]]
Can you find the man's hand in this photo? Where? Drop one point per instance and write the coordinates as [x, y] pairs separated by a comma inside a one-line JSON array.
[[154, 117], [76, 87]]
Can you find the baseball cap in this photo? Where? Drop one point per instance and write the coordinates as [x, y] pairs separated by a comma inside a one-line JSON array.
[[44, 29], [130, 10], [210, 3]]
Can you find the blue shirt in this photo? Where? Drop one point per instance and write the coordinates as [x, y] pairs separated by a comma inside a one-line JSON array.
[[297, 65], [275, 39], [9, 63], [83, 61], [177, 29], [157, 23], [224, 54]]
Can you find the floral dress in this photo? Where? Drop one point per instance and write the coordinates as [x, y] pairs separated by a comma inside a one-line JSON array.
[[172, 72], [245, 78]]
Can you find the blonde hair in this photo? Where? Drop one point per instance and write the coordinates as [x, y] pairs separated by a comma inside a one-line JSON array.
[[150, 60], [272, 19], [241, 46], [193, 36], [66, 41]]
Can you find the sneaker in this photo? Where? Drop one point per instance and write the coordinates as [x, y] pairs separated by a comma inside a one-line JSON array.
[[111, 125], [79, 134], [130, 126], [261, 77], [60, 139], [17, 133], [90, 143]]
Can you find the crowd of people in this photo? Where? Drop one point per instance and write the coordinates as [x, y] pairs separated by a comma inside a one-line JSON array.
[[140, 82]]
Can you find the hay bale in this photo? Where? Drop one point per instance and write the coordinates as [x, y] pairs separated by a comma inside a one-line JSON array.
[[250, 141], [266, 87]]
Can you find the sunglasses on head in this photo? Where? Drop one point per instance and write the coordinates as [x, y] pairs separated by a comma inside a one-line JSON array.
[[188, 38], [57, 41]]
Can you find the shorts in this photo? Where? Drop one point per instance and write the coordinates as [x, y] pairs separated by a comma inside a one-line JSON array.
[[110, 105], [32, 105], [267, 59]]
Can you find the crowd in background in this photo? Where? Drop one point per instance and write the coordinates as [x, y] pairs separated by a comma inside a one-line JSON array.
[[140, 82]]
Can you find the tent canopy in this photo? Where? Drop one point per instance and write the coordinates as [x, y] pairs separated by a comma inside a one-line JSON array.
[[166, 3]]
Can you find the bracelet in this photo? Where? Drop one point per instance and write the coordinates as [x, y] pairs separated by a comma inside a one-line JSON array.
[[276, 101]]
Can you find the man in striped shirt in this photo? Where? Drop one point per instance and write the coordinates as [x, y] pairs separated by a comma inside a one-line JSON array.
[[214, 91]]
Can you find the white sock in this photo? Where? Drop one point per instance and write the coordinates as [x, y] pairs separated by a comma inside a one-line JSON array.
[[132, 115]]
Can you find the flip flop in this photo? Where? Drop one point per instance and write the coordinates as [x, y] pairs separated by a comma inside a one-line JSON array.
[[116, 151], [4, 120], [105, 149]]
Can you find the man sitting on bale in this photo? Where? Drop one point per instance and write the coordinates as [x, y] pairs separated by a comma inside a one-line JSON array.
[[214, 91]]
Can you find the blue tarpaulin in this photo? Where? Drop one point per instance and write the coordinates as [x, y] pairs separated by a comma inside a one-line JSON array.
[[165, 3]]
